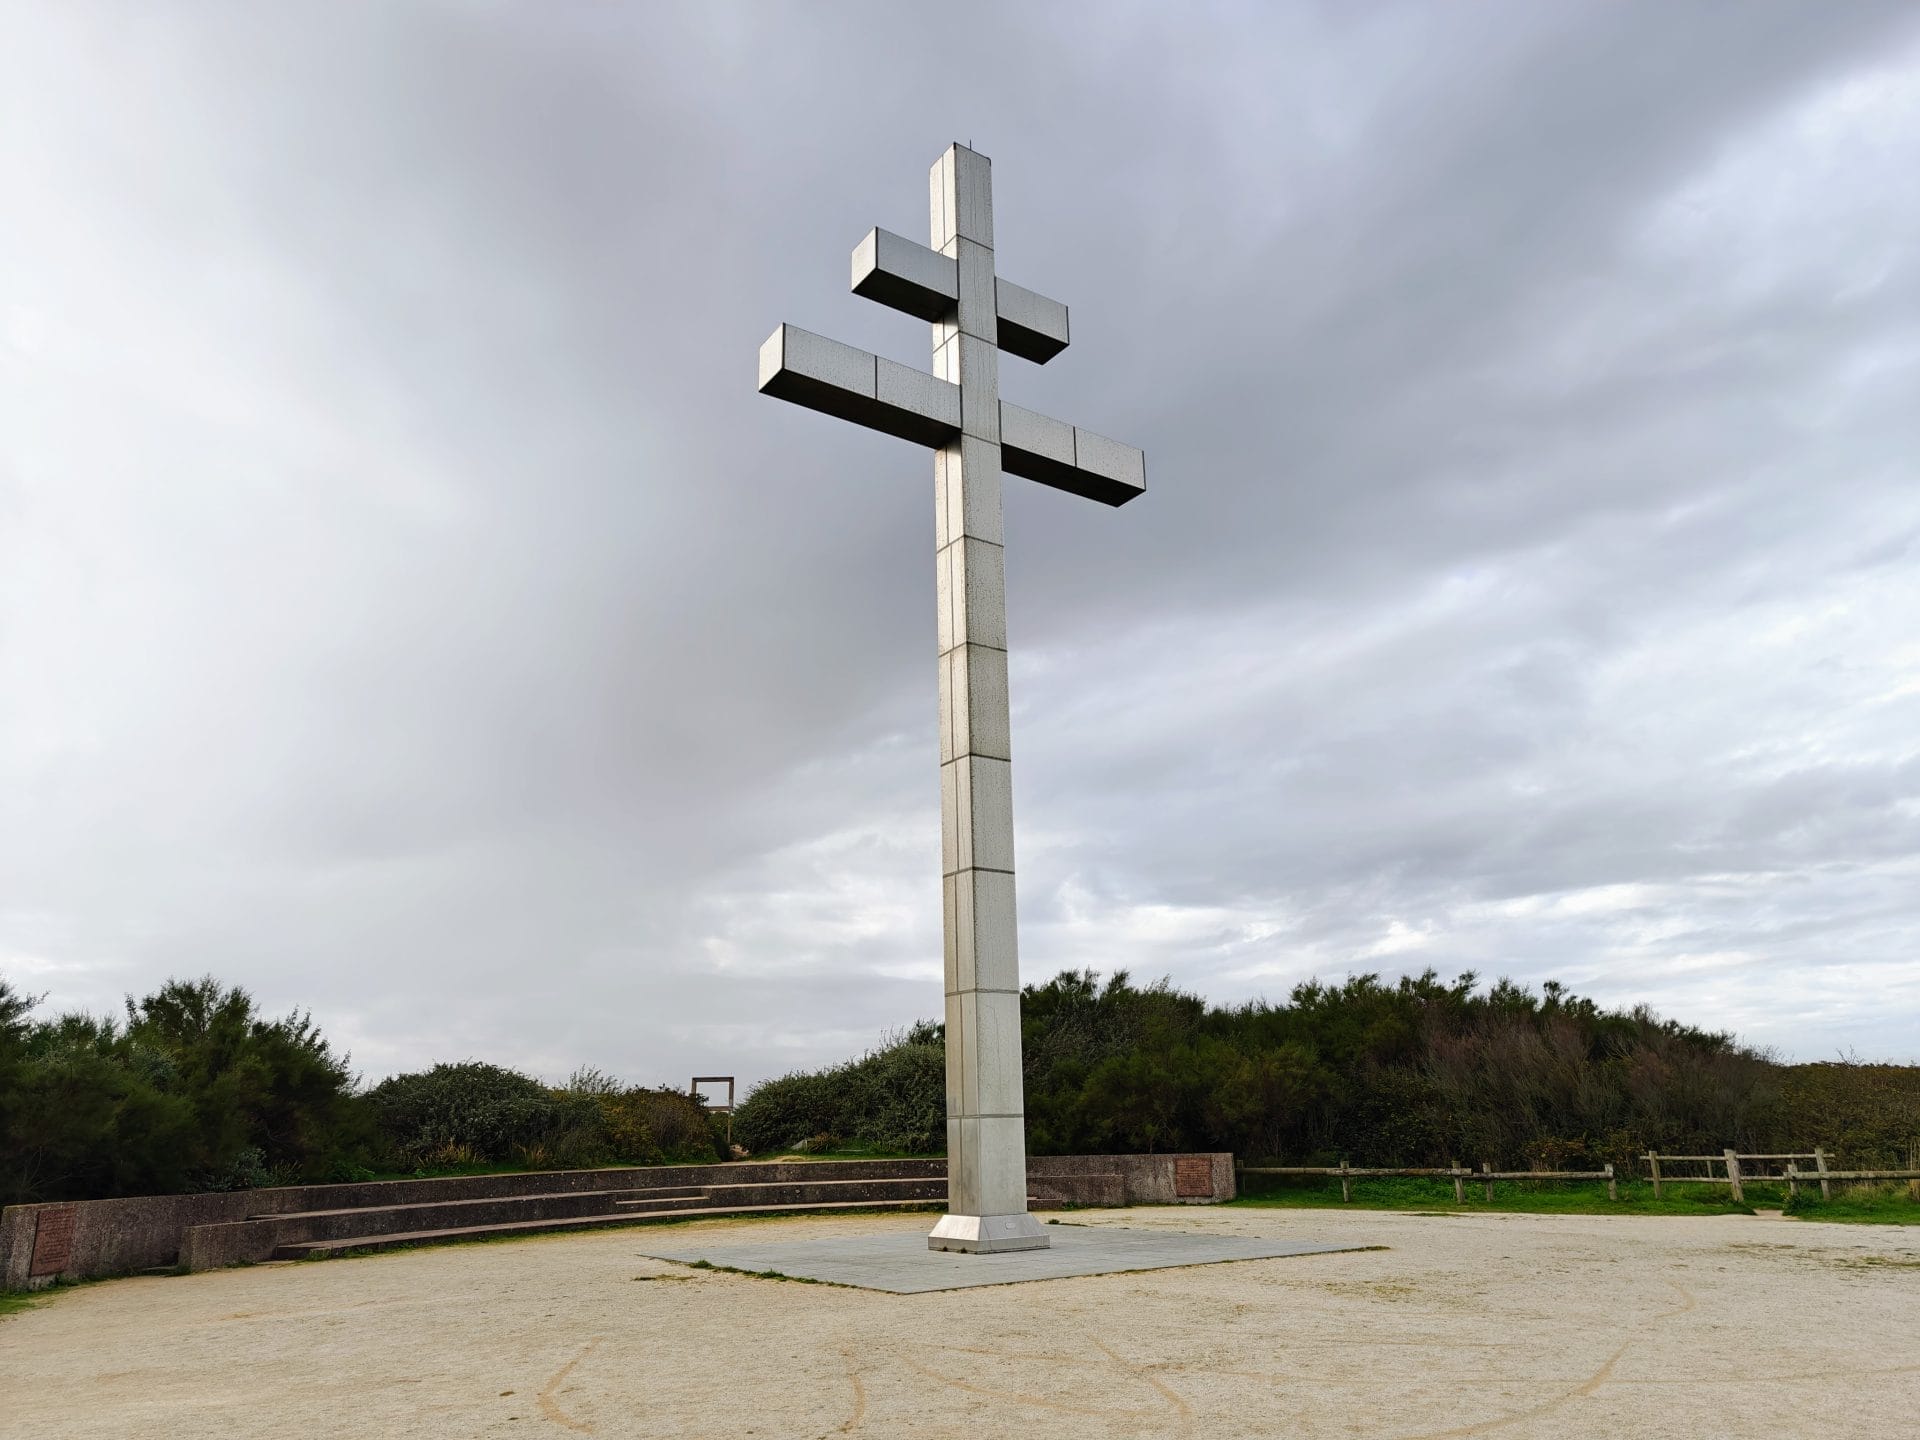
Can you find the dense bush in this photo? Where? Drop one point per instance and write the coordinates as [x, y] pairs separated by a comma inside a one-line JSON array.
[[679, 1124], [1865, 1113], [891, 1099], [463, 1114], [617, 1124], [477, 1114], [1415, 1072], [192, 1090]]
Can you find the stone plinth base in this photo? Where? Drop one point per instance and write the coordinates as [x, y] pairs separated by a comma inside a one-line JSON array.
[[987, 1234]]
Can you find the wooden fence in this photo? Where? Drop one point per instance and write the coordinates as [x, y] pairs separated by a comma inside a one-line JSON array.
[[1485, 1176], [1736, 1178], [1732, 1175]]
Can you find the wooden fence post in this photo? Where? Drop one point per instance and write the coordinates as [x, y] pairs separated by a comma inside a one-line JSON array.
[[1346, 1185], [1913, 1163], [1653, 1162], [1485, 1167], [1613, 1186], [1793, 1181], [1820, 1159], [1733, 1178], [1459, 1185]]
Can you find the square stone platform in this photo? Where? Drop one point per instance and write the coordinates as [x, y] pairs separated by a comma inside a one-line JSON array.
[[901, 1263]]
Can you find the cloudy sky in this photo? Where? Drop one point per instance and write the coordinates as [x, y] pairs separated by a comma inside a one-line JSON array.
[[409, 610]]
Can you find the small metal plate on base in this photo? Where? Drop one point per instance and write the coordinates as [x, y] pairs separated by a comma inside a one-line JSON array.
[[900, 1263]]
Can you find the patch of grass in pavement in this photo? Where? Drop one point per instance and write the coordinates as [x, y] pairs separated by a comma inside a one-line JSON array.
[[14, 1302], [760, 1274], [1532, 1197]]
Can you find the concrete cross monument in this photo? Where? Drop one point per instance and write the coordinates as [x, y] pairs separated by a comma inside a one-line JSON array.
[[958, 412]]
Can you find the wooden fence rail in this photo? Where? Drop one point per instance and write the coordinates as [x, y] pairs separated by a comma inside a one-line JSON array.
[[1459, 1174], [1736, 1180], [1733, 1176]]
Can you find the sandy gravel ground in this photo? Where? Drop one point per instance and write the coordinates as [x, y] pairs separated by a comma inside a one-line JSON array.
[[1509, 1325]]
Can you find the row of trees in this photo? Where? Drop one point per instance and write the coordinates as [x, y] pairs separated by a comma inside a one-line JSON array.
[[1412, 1072], [194, 1089]]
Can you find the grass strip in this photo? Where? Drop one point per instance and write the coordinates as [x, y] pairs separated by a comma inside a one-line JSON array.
[[12, 1302], [760, 1274], [1873, 1205]]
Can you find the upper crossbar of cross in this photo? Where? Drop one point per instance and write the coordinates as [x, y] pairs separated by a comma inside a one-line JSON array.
[[949, 285]]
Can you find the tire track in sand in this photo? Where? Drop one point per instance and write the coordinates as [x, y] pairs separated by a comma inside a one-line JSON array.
[[1182, 1412], [1586, 1387], [550, 1407], [1144, 1372], [852, 1422]]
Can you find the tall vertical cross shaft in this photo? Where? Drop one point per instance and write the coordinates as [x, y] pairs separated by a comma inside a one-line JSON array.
[[975, 435]]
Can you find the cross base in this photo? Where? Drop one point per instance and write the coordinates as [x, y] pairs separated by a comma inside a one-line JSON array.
[[988, 1234]]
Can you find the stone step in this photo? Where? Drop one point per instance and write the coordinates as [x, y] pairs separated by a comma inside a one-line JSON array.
[[607, 1196], [659, 1203], [320, 1249], [324, 1225], [622, 1179], [815, 1191]]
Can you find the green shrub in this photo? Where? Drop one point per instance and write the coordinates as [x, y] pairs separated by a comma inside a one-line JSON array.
[[898, 1098], [893, 1098], [469, 1113], [254, 1085], [600, 1122], [1409, 1072], [778, 1114], [192, 1088], [677, 1122], [475, 1113]]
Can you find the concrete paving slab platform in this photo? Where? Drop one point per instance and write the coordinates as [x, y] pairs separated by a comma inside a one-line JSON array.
[[903, 1265]]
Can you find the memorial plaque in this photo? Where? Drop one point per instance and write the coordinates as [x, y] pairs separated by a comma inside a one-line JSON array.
[[53, 1240], [1193, 1176]]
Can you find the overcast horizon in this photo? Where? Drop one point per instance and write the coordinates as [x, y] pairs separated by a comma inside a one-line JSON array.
[[409, 610]]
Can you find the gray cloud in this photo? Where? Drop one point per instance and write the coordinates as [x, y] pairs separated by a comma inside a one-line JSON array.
[[408, 609]]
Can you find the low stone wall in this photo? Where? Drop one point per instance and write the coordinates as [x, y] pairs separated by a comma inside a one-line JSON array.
[[1191, 1179], [90, 1238], [146, 1232], [42, 1243]]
